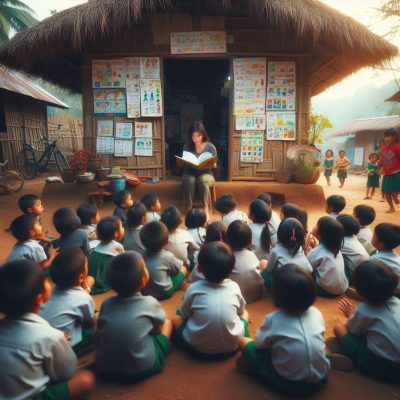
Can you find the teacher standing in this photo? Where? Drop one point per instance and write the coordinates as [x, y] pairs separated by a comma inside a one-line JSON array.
[[198, 143]]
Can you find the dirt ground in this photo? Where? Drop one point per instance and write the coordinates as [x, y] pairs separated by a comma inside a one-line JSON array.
[[185, 377]]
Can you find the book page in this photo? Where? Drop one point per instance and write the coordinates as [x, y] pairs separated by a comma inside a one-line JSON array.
[[187, 155], [204, 156]]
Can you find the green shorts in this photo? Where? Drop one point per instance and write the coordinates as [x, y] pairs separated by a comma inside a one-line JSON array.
[[177, 280], [349, 274], [374, 366], [260, 362], [323, 293], [373, 181], [55, 391], [87, 339], [342, 173], [268, 277]]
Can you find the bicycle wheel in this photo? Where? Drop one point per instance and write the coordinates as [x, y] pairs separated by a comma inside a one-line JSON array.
[[61, 161], [27, 162], [13, 181]]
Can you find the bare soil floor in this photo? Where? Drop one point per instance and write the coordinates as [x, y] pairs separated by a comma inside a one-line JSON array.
[[187, 378]]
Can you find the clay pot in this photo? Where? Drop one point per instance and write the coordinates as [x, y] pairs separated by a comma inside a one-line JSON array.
[[68, 175], [93, 164]]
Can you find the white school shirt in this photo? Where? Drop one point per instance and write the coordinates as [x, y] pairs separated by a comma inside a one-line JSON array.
[[353, 252], [280, 256], [329, 269], [32, 354], [297, 344], [68, 310], [212, 311], [365, 236], [132, 240], [28, 250], [180, 243], [198, 235], [333, 214], [275, 220], [152, 216], [235, 215], [392, 260], [112, 248], [380, 324], [246, 273], [196, 275], [256, 230]]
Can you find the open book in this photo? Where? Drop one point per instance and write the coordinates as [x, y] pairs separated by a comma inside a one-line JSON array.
[[204, 160]]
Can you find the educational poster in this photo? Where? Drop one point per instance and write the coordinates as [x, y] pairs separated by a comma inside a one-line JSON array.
[[144, 147], [123, 148], [250, 122], [251, 146], [198, 42], [282, 73], [249, 85], [150, 98], [105, 127], [132, 67], [281, 89], [143, 129], [105, 145], [150, 68], [108, 73], [281, 126], [124, 130], [109, 101], [133, 98]]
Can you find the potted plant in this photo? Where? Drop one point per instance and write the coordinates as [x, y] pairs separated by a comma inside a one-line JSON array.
[[79, 161]]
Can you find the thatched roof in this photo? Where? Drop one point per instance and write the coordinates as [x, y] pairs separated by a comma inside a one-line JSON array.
[[338, 45], [376, 125], [395, 97]]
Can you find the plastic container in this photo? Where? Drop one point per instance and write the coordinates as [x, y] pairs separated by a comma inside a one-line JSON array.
[[118, 184]]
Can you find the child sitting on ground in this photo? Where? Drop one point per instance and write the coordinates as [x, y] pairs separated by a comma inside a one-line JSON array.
[[138, 322], [213, 318], [275, 219], [365, 215], [153, 205], [136, 218], [226, 205], [180, 241], [123, 201], [167, 272], [288, 350], [68, 225], [26, 229], [373, 175], [263, 233], [70, 307], [334, 205], [246, 272], [342, 164], [371, 336], [195, 221], [327, 260], [386, 238], [109, 230], [89, 217], [36, 360], [290, 210]]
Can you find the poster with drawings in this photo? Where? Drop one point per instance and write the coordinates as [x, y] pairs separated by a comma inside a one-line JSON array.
[[282, 73], [143, 147], [143, 129], [124, 130], [104, 145], [123, 148], [251, 146], [133, 98], [250, 122], [108, 73], [150, 98], [281, 89], [281, 126], [132, 67], [109, 101], [198, 42], [150, 68], [105, 127]]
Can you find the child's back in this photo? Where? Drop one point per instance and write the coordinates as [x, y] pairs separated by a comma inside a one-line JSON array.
[[181, 243], [280, 255], [235, 215]]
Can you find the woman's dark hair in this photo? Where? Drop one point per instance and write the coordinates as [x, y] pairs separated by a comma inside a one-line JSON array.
[[65, 220], [364, 214], [291, 235], [330, 234], [154, 236], [266, 197], [171, 217], [259, 212], [86, 212], [239, 235], [225, 203], [135, 215], [293, 289], [350, 224], [197, 127], [120, 197], [195, 218], [149, 200], [388, 234], [215, 232], [21, 226], [290, 210], [106, 228]]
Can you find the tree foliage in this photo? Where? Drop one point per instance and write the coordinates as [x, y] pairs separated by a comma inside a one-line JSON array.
[[318, 123]]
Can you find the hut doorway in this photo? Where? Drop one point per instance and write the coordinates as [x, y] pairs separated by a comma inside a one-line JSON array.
[[196, 90]]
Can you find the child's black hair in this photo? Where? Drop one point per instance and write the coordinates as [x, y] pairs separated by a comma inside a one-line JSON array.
[[303, 218], [291, 235], [293, 289], [135, 214], [373, 154], [149, 200], [364, 214], [350, 224], [125, 272], [67, 266], [120, 197], [216, 261], [259, 212], [265, 239], [239, 235], [107, 227], [86, 212], [171, 217], [225, 204], [290, 210], [375, 281], [336, 203], [154, 236], [215, 232], [330, 151], [330, 233], [21, 281], [266, 197], [65, 220], [21, 226], [195, 218], [342, 151], [388, 234], [390, 132], [27, 201]]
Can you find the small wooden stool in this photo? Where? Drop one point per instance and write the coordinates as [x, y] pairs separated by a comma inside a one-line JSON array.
[[97, 197]]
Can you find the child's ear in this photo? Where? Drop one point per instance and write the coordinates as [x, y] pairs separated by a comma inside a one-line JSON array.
[[29, 210], [143, 281], [81, 278]]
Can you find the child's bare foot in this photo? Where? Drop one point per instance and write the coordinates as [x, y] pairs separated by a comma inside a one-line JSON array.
[[391, 210]]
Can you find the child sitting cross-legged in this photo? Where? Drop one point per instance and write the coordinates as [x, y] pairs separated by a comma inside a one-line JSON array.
[[213, 317], [153, 206], [275, 219], [195, 221], [167, 272], [123, 202], [70, 307], [334, 205], [89, 217], [226, 205], [288, 350], [136, 218], [36, 360], [365, 215], [133, 334]]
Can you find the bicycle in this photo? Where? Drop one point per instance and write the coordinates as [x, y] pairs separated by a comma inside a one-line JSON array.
[[10, 181], [31, 164]]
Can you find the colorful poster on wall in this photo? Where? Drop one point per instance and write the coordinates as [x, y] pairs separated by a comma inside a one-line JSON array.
[[150, 68], [144, 147], [108, 73], [109, 101], [143, 129], [281, 89], [251, 146], [198, 42], [150, 98], [133, 98], [105, 145], [282, 73], [105, 127], [250, 122], [124, 130], [132, 67], [249, 85], [281, 125], [123, 148]]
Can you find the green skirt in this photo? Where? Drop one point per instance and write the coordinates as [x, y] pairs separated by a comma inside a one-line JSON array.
[[268, 277], [342, 173], [97, 268], [373, 181], [328, 172], [391, 183]]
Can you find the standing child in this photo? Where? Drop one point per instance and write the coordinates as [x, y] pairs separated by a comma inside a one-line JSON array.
[[136, 218], [153, 205], [342, 164], [89, 217], [226, 205], [132, 340], [334, 205], [288, 350], [328, 166], [365, 215], [123, 201], [275, 219], [373, 175]]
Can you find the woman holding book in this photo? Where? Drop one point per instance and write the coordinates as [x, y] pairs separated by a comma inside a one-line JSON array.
[[200, 178]]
